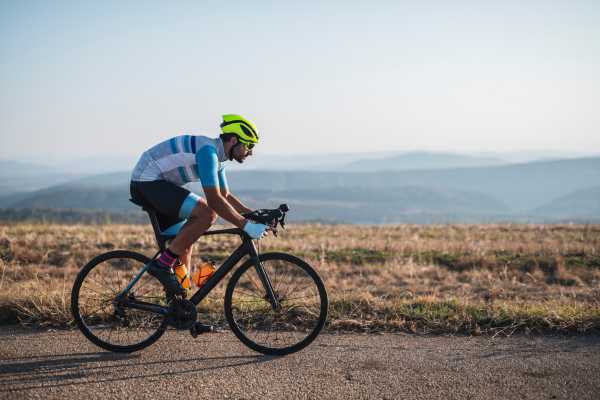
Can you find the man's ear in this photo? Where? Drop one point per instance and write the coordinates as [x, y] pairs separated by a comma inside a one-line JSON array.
[[233, 140]]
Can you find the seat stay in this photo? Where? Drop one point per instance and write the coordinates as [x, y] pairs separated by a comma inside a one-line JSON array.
[[135, 279]]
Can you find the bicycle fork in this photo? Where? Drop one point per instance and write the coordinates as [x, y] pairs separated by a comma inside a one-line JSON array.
[[264, 277]]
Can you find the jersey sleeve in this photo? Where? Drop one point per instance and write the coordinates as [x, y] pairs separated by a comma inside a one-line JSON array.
[[207, 165], [223, 180]]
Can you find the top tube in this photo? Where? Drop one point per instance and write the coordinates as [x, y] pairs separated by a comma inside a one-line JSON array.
[[230, 231]]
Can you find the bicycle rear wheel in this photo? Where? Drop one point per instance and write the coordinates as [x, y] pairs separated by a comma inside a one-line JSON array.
[[111, 324], [302, 307]]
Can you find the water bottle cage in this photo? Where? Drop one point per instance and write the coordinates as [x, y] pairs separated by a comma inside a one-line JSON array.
[[269, 217]]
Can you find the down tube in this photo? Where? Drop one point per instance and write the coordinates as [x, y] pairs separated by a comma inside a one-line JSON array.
[[223, 270]]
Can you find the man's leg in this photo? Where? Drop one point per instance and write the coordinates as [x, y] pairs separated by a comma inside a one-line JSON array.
[[179, 203], [201, 218], [186, 257]]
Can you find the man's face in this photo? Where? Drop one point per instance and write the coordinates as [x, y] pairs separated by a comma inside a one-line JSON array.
[[240, 152]]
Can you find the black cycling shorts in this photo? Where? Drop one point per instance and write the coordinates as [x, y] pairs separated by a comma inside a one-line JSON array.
[[172, 203]]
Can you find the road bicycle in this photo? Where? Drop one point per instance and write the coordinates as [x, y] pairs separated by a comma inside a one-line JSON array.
[[275, 303]]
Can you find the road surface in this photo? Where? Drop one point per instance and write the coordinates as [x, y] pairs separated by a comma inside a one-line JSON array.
[[64, 365]]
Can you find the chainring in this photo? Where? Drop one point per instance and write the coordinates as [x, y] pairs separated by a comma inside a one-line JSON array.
[[182, 313]]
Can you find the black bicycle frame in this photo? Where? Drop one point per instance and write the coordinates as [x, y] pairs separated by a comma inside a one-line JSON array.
[[246, 248]]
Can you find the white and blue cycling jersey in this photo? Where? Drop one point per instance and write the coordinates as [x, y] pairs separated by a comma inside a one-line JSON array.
[[184, 159]]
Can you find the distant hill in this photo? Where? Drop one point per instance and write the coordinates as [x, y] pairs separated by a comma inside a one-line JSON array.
[[521, 187], [18, 176], [102, 180], [402, 199], [102, 191], [71, 216], [583, 203], [341, 204], [9, 167], [396, 204], [115, 198], [474, 194], [421, 160]]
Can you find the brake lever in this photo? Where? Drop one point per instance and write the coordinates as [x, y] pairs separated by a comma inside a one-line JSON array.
[[264, 213], [280, 221], [273, 227]]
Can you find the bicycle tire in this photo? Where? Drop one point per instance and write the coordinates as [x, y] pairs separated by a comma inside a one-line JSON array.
[[300, 266], [80, 319]]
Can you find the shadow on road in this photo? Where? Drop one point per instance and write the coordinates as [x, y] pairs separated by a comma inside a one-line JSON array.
[[30, 373]]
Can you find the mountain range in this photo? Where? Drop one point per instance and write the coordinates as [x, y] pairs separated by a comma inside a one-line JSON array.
[[556, 190]]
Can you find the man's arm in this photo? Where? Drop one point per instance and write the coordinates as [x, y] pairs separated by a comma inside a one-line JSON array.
[[231, 199], [213, 183], [222, 207], [236, 203]]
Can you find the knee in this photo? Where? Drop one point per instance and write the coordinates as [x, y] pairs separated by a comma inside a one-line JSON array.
[[203, 212]]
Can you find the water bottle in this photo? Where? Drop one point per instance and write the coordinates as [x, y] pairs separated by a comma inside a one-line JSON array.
[[203, 273], [181, 272]]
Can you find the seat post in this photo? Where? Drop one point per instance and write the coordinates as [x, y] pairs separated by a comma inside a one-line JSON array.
[[160, 240]]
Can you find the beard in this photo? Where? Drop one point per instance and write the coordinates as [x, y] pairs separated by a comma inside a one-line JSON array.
[[237, 157]]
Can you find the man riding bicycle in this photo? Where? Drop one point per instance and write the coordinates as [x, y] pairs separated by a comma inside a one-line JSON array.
[[162, 171]]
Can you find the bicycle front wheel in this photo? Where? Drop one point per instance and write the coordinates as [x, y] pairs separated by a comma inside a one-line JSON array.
[[107, 322], [302, 307]]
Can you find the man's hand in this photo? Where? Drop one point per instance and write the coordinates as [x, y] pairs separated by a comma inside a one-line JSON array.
[[255, 230]]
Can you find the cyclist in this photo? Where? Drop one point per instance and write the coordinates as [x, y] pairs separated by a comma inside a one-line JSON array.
[[163, 170]]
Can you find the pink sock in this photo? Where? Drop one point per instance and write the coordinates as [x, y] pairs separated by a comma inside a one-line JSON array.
[[168, 259]]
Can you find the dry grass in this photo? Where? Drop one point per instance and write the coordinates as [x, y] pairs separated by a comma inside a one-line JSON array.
[[493, 279]]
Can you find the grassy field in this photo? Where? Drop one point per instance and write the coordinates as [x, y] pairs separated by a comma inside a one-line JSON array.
[[474, 279]]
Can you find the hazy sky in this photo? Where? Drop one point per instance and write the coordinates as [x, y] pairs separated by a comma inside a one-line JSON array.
[[95, 78]]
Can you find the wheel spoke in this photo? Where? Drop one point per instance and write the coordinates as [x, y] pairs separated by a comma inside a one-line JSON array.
[[297, 320], [119, 326]]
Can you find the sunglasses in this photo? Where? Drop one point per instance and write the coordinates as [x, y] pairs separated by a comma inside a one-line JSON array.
[[248, 145]]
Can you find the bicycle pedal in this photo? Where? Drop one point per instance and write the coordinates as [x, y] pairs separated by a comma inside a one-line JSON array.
[[199, 328]]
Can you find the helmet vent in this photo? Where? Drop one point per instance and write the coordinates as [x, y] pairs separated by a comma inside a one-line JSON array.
[[247, 131]]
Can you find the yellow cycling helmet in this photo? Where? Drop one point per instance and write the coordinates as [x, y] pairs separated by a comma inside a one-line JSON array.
[[243, 128]]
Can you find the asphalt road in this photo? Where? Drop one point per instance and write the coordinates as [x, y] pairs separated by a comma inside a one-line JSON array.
[[64, 365]]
